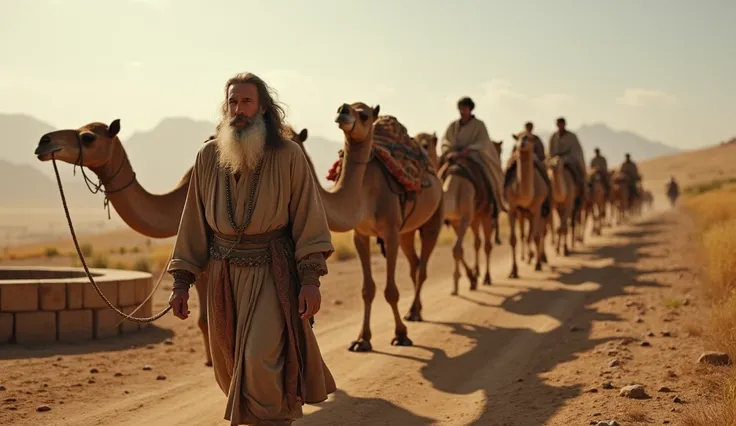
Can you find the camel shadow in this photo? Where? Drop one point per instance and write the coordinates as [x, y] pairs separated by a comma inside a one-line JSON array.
[[343, 409], [518, 358], [150, 336]]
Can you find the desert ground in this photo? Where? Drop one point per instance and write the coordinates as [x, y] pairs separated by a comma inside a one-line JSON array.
[[553, 347]]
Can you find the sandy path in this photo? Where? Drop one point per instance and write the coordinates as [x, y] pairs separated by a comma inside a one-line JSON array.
[[469, 346], [520, 352]]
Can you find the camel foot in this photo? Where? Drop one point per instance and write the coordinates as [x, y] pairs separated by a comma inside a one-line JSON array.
[[543, 258], [414, 317], [514, 275], [473, 283], [361, 346], [402, 341], [538, 266], [566, 252], [487, 280]]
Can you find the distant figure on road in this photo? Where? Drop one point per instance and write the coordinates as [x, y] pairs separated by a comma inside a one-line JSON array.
[[673, 191]]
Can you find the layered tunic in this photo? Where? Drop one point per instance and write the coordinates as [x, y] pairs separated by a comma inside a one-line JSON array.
[[599, 162], [567, 145], [473, 136], [265, 358]]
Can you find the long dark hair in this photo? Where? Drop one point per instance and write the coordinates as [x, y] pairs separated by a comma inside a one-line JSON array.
[[273, 115]]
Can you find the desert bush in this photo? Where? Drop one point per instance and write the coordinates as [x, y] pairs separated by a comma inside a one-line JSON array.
[[86, 249], [99, 261], [51, 252], [142, 264]]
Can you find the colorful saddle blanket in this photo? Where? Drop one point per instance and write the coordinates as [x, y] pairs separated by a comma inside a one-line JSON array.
[[403, 157]]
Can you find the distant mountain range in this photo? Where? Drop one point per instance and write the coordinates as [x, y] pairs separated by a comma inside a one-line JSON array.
[[162, 155]]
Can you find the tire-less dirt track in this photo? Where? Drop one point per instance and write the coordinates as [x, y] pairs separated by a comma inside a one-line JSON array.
[[520, 352]]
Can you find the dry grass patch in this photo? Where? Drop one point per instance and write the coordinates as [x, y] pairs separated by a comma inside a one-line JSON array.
[[713, 207]]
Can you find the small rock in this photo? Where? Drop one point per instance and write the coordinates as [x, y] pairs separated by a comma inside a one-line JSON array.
[[337, 302], [126, 392], [645, 344], [639, 320], [160, 377], [608, 423], [650, 334], [168, 342], [59, 358], [91, 381], [714, 358], [596, 415], [118, 374], [666, 422], [150, 347], [666, 334], [519, 380], [42, 408], [94, 371], [677, 400], [592, 390], [612, 353], [614, 363], [575, 328], [10, 400], [607, 385], [2, 388], [634, 392], [665, 389], [147, 368]]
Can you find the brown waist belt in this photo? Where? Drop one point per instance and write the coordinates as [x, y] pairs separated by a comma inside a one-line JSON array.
[[274, 248]]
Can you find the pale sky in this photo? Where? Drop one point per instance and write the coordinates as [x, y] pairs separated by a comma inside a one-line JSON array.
[[662, 68]]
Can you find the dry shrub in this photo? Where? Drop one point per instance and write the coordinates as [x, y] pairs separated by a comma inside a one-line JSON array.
[[719, 412], [719, 246]]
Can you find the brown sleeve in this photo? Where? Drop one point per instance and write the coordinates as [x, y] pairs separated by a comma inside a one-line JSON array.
[[311, 268]]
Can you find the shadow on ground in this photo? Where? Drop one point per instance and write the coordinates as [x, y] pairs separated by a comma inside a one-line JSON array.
[[518, 355], [150, 336]]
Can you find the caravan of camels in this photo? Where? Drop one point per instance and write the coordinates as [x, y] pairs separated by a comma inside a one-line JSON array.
[[388, 185]]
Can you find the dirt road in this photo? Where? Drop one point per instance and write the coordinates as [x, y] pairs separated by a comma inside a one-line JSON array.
[[481, 358]]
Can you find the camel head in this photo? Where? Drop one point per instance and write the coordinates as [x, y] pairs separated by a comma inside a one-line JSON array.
[[356, 121], [524, 143], [499, 147], [427, 141], [90, 145]]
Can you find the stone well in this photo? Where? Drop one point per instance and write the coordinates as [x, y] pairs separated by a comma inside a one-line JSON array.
[[46, 304]]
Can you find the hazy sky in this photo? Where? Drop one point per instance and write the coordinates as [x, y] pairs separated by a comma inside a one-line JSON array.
[[663, 68]]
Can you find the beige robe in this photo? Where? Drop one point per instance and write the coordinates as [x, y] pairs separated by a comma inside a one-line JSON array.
[[569, 146], [474, 135], [286, 195], [600, 163], [629, 169]]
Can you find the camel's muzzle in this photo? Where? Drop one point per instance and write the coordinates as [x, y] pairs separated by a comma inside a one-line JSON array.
[[344, 119], [45, 149]]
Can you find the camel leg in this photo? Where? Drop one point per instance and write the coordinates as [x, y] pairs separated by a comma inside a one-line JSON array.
[[201, 286], [536, 226], [429, 234], [362, 246], [391, 293], [512, 241], [543, 228], [406, 242], [497, 231], [522, 238], [488, 225], [477, 242], [461, 227], [529, 250]]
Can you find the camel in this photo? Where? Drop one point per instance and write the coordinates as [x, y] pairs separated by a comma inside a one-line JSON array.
[[371, 203], [152, 215], [462, 210], [619, 196], [566, 199], [528, 196], [596, 203], [647, 199]]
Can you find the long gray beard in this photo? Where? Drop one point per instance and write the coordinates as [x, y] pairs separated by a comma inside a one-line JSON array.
[[238, 149]]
